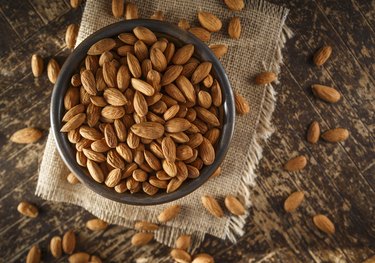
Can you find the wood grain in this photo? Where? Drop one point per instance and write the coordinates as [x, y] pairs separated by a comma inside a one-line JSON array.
[[339, 180]]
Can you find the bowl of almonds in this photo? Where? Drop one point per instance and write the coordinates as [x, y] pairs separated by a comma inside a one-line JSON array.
[[142, 112]]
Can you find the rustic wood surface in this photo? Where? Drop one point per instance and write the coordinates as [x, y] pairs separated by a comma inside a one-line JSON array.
[[339, 180]]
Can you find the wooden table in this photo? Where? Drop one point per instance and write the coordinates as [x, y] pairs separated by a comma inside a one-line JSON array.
[[339, 180]]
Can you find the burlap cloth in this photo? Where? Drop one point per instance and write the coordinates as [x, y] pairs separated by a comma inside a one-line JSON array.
[[258, 49]]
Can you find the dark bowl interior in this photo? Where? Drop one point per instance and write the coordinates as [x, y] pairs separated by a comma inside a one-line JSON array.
[[202, 52]]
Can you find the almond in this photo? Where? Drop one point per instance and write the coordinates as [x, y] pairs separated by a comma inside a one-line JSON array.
[[74, 136], [124, 50], [209, 21], [74, 122], [92, 114], [168, 149], [37, 65], [99, 79], [313, 133], [56, 247], [120, 130], [114, 97], [184, 152], [131, 11], [171, 74], [183, 24], [204, 99], [208, 81], [265, 78], [143, 87], [212, 206], [132, 140], [195, 140], [207, 116], [179, 137], [69, 242], [149, 188], [141, 239], [153, 180], [88, 82], [234, 28], [158, 59], [157, 15], [296, 164], [242, 106], [219, 50], [103, 45], [217, 172], [293, 201], [71, 35], [105, 57], [112, 112], [336, 135], [148, 130], [171, 112], [146, 226], [206, 152], [73, 111], [81, 159], [96, 224], [326, 93], [123, 78], [34, 255], [113, 178], [203, 258], [53, 70], [79, 257], [324, 224], [174, 184], [90, 133], [177, 125], [110, 136], [95, 171], [180, 255], [117, 8], [76, 80], [92, 63], [169, 213], [140, 50], [75, 3], [110, 74], [235, 5], [201, 72], [322, 55], [201, 33], [183, 54], [26, 135], [217, 97], [186, 88], [234, 205], [145, 34], [27, 209], [174, 93], [125, 152], [115, 160], [183, 242], [170, 168], [128, 38]]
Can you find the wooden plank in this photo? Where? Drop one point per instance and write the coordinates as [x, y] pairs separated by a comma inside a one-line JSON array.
[[49, 10], [19, 13], [367, 9], [12, 39]]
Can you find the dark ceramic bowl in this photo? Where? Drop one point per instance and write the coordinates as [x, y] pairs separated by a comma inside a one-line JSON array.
[[172, 32]]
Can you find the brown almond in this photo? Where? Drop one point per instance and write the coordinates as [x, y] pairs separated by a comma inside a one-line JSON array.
[[125, 49], [117, 8], [324, 224], [158, 59], [148, 130], [177, 125], [105, 57], [149, 188], [75, 3], [27, 209], [125, 152], [204, 99], [113, 178], [74, 122], [34, 255], [183, 54], [174, 93], [76, 80], [141, 239], [170, 168], [169, 213], [186, 87], [71, 35], [92, 63], [123, 78], [212, 135], [217, 97], [37, 65], [217, 172], [96, 224], [169, 51], [92, 114], [140, 104], [326, 93], [195, 140], [183, 242], [336, 135], [88, 82], [209, 21], [95, 259], [114, 97], [180, 255], [81, 159], [296, 164], [179, 137], [142, 87], [141, 50], [146, 226], [183, 24], [171, 112], [265, 78], [184, 152], [219, 50], [95, 171], [131, 11], [79, 257], [169, 149], [145, 34], [293, 201], [207, 116], [99, 79], [110, 74], [322, 55], [153, 180], [56, 247], [26, 135], [201, 33], [201, 72], [53, 70], [73, 111], [235, 5], [115, 160], [206, 152], [132, 140], [171, 74], [203, 258], [74, 136], [174, 184], [157, 15], [234, 205], [103, 45], [313, 133], [69, 242], [212, 206], [152, 160], [100, 146], [234, 28], [128, 38], [113, 112], [110, 136], [90, 133], [208, 81], [120, 130], [242, 106], [72, 179]]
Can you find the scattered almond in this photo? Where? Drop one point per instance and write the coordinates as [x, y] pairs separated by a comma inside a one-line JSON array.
[[203, 258], [326, 93], [69, 242], [293, 201], [37, 65], [234, 28], [234, 205], [34, 255], [212, 206], [27, 209], [71, 35], [183, 242], [53, 70], [146, 226], [336, 135], [242, 106], [180, 255], [201, 33], [324, 224], [158, 15], [313, 133], [141, 239], [219, 50], [183, 24], [131, 11], [265, 78], [322, 55], [26, 136], [117, 8], [72, 179], [296, 164], [96, 224], [235, 5], [209, 21], [75, 3], [169, 213], [56, 247], [79, 257]]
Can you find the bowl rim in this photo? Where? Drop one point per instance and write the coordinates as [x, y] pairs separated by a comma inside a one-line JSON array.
[[63, 82]]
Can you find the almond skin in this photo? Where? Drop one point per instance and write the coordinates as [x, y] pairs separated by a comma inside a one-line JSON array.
[[322, 55], [183, 24], [145, 34], [313, 133], [55, 247], [242, 106], [117, 8], [234, 205], [201, 33], [296, 164], [183, 242], [336, 135], [180, 255], [96, 224], [37, 65], [26, 135], [103, 45], [212, 206], [326, 93], [265, 78], [53, 70], [79, 257], [27, 209], [219, 50], [169, 213], [71, 35], [324, 224], [235, 5], [131, 11], [203, 258], [141, 239], [201, 72], [206, 152], [146, 226], [293, 201], [69, 242], [183, 54], [209, 21], [34, 255], [148, 130], [234, 28]]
